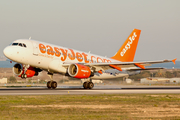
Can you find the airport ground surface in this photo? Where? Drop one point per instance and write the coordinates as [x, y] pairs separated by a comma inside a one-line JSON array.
[[76, 89], [96, 107], [119, 102]]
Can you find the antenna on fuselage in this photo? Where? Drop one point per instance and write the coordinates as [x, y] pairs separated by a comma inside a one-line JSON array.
[[89, 51], [29, 38]]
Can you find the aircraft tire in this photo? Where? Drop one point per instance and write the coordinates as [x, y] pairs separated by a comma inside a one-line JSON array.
[[49, 84], [23, 76], [90, 85], [85, 85], [54, 85]]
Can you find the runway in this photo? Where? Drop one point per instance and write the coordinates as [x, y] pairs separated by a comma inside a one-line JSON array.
[[65, 90]]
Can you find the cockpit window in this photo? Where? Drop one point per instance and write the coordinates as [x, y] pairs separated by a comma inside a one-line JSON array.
[[24, 45], [15, 44], [19, 44]]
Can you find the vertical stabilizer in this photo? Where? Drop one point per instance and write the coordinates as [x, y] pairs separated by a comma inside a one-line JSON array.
[[127, 51]]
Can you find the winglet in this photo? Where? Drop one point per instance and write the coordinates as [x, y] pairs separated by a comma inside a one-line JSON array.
[[174, 61]]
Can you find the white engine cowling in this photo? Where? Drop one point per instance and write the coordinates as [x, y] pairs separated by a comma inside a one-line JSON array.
[[79, 71]]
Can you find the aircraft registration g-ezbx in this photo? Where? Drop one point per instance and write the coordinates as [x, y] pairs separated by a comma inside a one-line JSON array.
[[33, 56]]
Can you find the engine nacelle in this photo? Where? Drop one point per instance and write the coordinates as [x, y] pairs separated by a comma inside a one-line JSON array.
[[18, 70], [79, 71]]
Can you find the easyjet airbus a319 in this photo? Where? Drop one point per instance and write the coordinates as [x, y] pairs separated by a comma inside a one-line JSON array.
[[33, 56]]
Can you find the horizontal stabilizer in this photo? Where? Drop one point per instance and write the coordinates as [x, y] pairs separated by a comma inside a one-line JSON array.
[[174, 61], [145, 69]]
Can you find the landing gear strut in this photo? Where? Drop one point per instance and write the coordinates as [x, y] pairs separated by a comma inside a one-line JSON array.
[[89, 85], [51, 84], [24, 75]]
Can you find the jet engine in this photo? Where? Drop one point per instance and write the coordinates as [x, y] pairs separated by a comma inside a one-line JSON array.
[[18, 70], [79, 71]]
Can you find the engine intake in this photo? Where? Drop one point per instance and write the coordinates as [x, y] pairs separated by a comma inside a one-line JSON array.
[[18, 70], [79, 71]]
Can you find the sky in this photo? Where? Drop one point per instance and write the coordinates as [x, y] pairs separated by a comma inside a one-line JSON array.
[[99, 26]]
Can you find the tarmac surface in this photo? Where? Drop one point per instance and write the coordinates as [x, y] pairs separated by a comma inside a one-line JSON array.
[[64, 90]]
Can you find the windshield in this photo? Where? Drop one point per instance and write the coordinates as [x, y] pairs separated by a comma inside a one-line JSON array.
[[19, 44], [14, 44]]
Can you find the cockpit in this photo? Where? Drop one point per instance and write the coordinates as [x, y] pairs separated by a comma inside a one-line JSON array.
[[19, 44]]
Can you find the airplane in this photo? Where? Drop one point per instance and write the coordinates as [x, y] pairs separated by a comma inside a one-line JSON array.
[[32, 57]]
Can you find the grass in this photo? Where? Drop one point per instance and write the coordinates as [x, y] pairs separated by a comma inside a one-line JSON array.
[[127, 106]]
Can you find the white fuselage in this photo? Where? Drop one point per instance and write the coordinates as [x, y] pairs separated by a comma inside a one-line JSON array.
[[51, 57]]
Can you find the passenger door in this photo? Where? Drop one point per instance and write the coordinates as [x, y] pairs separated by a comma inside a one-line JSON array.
[[35, 48]]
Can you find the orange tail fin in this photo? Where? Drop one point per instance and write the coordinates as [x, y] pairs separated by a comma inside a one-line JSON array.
[[127, 51]]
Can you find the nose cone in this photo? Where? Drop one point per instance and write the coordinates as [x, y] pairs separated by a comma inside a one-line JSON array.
[[8, 52]]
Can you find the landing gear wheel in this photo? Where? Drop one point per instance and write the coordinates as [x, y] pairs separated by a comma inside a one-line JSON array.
[[23, 76], [85, 85], [90, 85], [49, 84], [54, 85]]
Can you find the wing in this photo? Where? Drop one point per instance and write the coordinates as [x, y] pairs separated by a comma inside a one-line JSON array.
[[130, 66]]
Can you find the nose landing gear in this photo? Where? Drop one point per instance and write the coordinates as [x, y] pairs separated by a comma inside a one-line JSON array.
[[24, 76]]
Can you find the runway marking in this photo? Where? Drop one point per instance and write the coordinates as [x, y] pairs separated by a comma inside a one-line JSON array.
[[70, 106], [65, 92]]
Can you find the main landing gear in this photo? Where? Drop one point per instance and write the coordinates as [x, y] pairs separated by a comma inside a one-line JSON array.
[[88, 84], [51, 84]]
